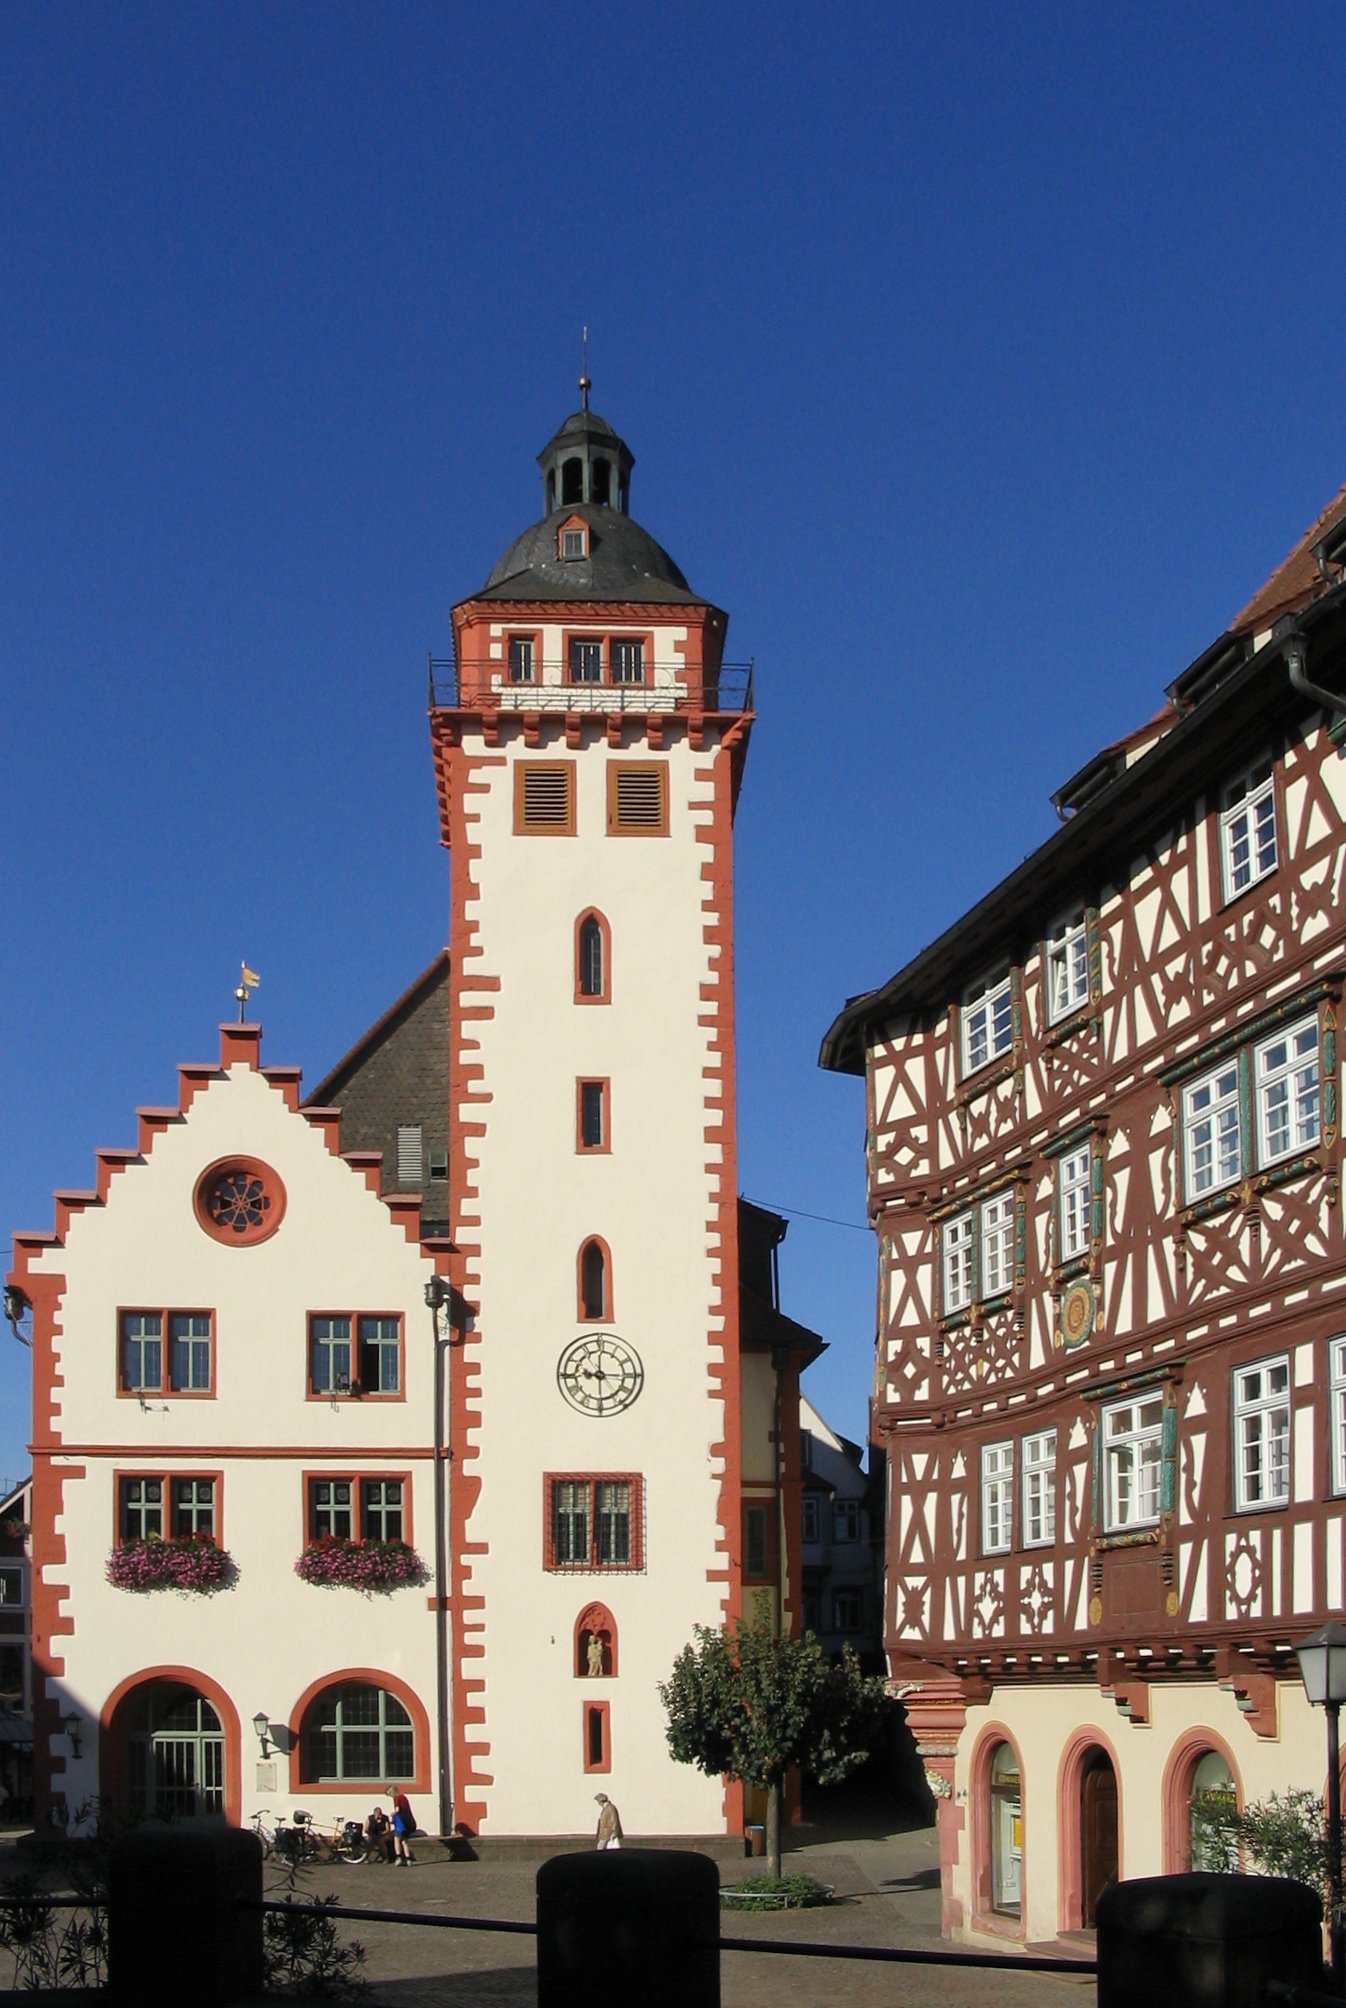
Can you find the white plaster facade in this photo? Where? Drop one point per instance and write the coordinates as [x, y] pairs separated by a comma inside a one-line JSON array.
[[266, 1641], [652, 1196]]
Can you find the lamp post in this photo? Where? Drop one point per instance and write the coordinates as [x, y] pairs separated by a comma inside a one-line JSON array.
[[1322, 1667]]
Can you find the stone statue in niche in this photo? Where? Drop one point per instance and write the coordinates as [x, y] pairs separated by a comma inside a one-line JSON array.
[[595, 1643]]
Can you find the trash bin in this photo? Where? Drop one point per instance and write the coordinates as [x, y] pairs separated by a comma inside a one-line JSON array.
[[755, 1836], [630, 1927], [1205, 1941]]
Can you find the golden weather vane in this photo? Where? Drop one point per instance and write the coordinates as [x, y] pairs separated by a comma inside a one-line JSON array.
[[249, 980]]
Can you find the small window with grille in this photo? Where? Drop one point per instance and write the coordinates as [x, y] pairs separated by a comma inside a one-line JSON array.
[[638, 798], [544, 798]]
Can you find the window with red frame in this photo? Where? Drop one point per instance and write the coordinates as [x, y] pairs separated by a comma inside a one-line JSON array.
[[594, 1523]]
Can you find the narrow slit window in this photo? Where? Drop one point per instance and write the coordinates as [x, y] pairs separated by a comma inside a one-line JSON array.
[[593, 1114], [754, 1544]]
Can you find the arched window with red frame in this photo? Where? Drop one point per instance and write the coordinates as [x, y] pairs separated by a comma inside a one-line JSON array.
[[595, 1281], [593, 959]]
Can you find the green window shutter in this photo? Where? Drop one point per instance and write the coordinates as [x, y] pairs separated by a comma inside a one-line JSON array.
[[1168, 1497]]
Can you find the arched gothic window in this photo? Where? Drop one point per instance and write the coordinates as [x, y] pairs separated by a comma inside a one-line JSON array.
[[593, 956], [594, 1288]]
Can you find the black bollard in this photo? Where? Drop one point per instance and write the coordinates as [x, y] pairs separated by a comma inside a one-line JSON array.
[[174, 1934], [630, 1927], [1205, 1941]]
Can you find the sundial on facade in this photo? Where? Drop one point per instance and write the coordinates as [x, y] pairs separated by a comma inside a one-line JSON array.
[[599, 1374]]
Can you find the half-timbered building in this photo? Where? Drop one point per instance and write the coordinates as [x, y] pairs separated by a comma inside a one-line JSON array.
[[1104, 1170]]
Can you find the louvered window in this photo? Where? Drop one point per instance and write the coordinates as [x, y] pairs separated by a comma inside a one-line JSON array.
[[409, 1154], [544, 796], [638, 798]]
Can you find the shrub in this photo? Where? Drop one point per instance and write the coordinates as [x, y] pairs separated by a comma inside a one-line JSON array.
[[336, 1563], [1276, 1836], [184, 1562], [775, 1893]]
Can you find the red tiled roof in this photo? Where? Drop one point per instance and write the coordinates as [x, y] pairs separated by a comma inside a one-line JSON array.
[[1296, 580]]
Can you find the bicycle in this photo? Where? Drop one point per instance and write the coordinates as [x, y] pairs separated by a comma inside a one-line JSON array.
[[265, 1834]]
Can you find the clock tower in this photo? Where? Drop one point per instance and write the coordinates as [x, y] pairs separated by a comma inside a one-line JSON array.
[[589, 741]]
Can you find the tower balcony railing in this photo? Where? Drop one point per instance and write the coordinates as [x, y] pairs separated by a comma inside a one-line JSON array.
[[550, 689]]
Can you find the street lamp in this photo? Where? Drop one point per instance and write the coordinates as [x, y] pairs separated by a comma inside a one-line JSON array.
[[261, 1722], [1322, 1668], [72, 1724]]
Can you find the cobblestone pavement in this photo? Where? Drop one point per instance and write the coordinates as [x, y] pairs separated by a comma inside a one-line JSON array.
[[886, 1893]]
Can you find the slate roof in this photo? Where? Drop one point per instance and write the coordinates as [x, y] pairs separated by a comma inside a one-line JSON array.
[[624, 563], [1215, 705]]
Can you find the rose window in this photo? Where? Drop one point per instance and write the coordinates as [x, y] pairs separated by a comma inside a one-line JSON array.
[[240, 1201]]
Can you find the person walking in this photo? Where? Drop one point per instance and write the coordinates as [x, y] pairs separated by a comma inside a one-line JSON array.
[[609, 1822], [404, 1826]]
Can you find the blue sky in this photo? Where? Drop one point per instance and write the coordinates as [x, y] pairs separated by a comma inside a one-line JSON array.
[[980, 362]]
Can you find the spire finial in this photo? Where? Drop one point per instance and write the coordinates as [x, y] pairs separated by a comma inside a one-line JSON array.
[[585, 384]]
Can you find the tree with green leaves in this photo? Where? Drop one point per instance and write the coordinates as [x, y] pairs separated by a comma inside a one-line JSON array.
[[743, 1703]]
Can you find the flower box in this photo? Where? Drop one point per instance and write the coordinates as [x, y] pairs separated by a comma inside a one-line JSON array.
[[184, 1562], [336, 1563]]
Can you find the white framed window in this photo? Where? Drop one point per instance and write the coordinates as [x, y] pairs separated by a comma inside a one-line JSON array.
[[1248, 829], [520, 659], [1133, 1449], [1212, 1143], [1039, 1487], [997, 1497], [846, 1520], [1072, 1186], [572, 544], [958, 1263], [1262, 1432], [1286, 1072], [997, 1244], [1067, 967], [988, 1023], [1336, 1356], [808, 1513]]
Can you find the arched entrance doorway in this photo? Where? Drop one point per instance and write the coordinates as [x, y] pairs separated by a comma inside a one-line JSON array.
[[1098, 1831], [173, 1754]]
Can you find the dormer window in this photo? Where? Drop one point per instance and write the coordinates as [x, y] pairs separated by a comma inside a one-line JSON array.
[[572, 538]]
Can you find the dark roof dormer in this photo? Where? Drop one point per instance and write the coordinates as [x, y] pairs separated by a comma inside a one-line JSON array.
[[586, 462]]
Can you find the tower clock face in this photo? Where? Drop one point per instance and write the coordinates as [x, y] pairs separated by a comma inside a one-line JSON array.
[[600, 1374]]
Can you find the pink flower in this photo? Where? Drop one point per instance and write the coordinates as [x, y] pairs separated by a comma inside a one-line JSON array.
[[184, 1562], [334, 1562]]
